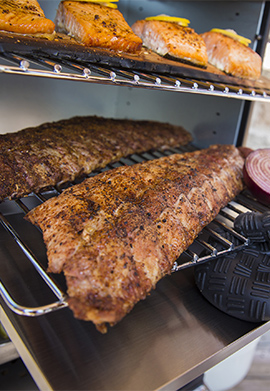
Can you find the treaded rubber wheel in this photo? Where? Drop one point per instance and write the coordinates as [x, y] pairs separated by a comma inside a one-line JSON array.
[[255, 226], [237, 284]]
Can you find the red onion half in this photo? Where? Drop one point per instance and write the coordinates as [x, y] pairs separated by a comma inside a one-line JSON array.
[[257, 174]]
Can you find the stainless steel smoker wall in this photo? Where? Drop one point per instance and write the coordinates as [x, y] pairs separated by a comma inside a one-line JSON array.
[[210, 120]]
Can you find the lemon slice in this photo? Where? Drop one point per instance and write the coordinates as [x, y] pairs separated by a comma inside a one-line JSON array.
[[103, 2], [165, 18], [232, 34], [111, 5]]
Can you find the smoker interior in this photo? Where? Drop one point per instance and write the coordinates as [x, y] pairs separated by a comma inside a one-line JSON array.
[[174, 335], [12, 213]]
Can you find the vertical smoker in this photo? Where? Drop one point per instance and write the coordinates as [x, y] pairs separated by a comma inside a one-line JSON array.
[[173, 336]]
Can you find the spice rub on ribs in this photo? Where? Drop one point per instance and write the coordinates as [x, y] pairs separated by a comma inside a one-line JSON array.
[[118, 233], [56, 152]]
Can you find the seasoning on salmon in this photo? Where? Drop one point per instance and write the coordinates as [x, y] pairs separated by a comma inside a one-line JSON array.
[[56, 152], [172, 39], [231, 56], [24, 17], [96, 25], [118, 233]]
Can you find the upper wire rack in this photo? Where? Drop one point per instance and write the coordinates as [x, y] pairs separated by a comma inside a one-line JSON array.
[[53, 67]]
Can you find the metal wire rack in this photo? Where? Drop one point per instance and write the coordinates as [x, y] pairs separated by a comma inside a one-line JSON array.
[[52, 67], [200, 251]]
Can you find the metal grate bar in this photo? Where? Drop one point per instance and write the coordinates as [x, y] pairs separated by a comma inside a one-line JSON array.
[[22, 206], [227, 243], [17, 308], [30, 311], [52, 67]]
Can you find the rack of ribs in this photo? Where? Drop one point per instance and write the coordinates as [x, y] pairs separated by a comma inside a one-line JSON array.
[[56, 152], [115, 235]]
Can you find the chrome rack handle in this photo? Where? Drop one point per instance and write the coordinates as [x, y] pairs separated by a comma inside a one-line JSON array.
[[30, 311], [58, 293]]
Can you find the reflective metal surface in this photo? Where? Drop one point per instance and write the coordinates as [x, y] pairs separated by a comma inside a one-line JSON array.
[[137, 79], [8, 351], [167, 340]]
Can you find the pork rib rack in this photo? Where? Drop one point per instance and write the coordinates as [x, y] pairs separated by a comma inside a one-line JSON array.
[[118, 233], [56, 152]]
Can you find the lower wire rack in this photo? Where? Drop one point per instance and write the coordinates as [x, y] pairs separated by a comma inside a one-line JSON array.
[[201, 250]]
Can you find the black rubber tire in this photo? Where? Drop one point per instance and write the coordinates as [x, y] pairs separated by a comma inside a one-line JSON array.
[[238, 284], [254, 225]]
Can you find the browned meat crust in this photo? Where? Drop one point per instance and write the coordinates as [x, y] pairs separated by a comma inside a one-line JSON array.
[[55, 152], [96, 25], [116, 234], [231, 56], [171, 39], [24, 17]]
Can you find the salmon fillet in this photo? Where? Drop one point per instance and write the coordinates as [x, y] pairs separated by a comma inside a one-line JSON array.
[[56, 152], [166, 38], [231, 56], [118, 233], [96, 25], [24, 17]]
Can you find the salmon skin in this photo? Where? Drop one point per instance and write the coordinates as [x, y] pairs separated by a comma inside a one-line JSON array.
[[96, 25], [231, 56], [171, 39], [118, 233], [24, 17]]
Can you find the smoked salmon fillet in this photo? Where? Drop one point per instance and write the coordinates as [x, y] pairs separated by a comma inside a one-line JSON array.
[[56, 152], [171, 39], [24, 17], [118, 233], [96, 25], [231, 56]]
